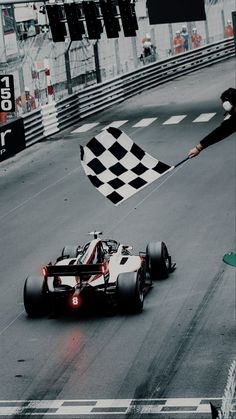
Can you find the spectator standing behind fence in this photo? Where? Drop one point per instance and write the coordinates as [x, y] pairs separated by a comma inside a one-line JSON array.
[[25, 102], [148, 53], [185, 35], [229, 29], [178, 43], [196, 39]]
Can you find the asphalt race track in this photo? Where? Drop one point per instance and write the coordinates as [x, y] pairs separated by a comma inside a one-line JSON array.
[[181, 346]]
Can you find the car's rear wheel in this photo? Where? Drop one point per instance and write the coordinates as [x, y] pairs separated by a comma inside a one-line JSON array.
[[158, 260], [35, 300], [130, 289]]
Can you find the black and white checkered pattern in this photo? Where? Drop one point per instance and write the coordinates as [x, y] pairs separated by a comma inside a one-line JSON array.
[[176, 407], [117, 166]]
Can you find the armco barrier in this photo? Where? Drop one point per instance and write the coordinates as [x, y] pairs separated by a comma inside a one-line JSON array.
[[101, 96], [50, 119], [166, 70], [33, 126], [68, 111], [62, 114]]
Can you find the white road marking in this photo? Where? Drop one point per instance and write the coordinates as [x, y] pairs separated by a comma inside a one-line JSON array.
[[85, 127], [204, 117], [144, 122], [190, 406], [13, 321], [116, 124], [174, 119], [183, 402]]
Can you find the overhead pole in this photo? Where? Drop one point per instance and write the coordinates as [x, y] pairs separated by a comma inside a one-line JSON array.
[[97, 62], [171, 38], [3, 58], [223, 18], [234, 27], [68, 71]]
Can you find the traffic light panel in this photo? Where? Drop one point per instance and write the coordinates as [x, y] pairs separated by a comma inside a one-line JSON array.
[[75, 24], [111, 22], [58, 28], [93, 23], [128, 18]]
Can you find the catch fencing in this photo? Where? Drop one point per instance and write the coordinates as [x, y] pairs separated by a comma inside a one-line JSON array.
[[56, 116]]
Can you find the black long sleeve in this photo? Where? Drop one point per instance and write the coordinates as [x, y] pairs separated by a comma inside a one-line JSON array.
[[227, 128]]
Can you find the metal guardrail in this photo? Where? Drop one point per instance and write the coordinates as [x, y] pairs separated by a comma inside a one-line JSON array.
[[33, 126], [50, 119], [101, 96], [62, 114], [68, 111], [166, 70]]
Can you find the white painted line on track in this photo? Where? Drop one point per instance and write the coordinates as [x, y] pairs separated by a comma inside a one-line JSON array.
[[183, 402], [204, 117], [13, 321], [85, 127], [174, 120], [77, 408], [116, 124], [145, 122]]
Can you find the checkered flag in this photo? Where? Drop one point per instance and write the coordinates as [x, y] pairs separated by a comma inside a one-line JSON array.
[[117, 166]]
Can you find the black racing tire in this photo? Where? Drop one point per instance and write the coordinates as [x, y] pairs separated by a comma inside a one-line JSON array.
[[70, 251], [158, 260], [35, 300], [130, 290]]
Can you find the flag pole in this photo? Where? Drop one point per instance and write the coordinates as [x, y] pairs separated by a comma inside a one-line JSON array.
[[181, 162]]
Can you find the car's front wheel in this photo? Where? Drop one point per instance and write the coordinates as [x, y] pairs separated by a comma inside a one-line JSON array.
[[35, 300], [130, 289]]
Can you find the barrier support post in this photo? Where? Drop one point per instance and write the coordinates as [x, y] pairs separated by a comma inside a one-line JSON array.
[[68, 72], [96, 60]]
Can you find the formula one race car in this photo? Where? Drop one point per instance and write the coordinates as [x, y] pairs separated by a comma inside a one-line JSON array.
[[101, 267]]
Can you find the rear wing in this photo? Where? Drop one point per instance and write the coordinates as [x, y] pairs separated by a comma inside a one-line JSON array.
[[73, 270]]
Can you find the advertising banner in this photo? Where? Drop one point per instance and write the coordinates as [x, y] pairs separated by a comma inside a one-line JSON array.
[[12, 138]]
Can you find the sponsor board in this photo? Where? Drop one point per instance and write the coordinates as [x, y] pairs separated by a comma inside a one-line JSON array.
[[12, 138]]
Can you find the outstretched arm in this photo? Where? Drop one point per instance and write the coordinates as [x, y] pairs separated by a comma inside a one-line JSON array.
[[227, 128]]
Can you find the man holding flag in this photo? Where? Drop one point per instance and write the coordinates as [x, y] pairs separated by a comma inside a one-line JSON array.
[[119, 168], [227, 127]]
